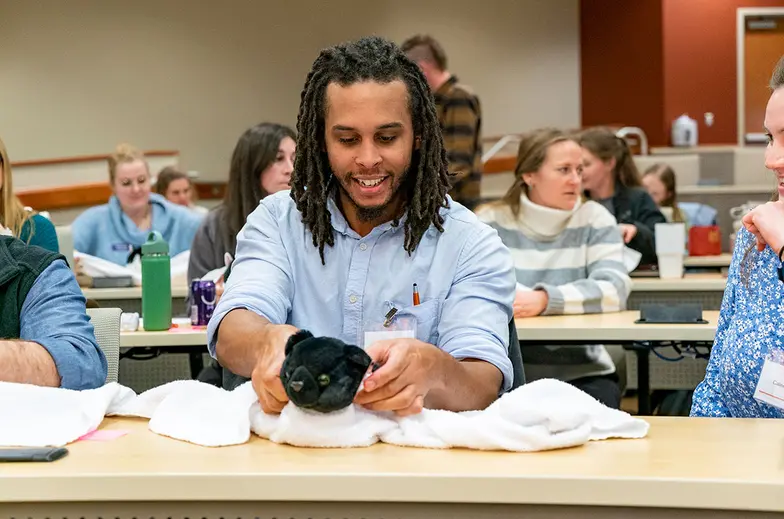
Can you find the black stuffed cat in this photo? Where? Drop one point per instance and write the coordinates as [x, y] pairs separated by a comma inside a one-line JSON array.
[[321, 373]]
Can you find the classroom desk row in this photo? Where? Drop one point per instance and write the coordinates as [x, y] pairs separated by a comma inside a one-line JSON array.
[[686, 467], [612, 328], [689, 283]]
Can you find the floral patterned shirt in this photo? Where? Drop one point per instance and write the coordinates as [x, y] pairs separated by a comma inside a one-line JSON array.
[[751, 324]]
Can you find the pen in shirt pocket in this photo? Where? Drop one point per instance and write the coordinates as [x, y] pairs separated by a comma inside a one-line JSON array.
[[416, 295]]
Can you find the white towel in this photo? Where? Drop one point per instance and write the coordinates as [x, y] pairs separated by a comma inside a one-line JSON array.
[[32, 416], [542, 415]]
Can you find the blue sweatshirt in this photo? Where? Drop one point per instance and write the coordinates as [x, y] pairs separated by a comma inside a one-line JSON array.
[[106, 232]]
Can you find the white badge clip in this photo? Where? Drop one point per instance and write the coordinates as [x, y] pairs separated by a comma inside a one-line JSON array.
[[770, 387], [392, 327]]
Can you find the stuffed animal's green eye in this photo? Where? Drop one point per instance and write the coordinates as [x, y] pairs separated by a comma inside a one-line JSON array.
[[323, 380]]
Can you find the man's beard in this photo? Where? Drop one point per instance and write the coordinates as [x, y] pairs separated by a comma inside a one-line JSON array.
[[374, 213]]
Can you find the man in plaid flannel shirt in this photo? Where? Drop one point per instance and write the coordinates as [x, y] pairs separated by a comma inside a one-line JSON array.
[[460, 115]]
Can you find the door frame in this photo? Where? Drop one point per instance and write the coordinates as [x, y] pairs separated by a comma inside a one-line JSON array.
[[741, 15]]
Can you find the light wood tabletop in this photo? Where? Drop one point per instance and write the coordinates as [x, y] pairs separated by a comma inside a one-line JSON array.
[[688, 283], [722, 260], [692, 463], [178, 337], [619, 326], [109, 294]]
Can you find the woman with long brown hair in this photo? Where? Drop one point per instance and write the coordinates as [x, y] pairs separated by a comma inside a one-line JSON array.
[[747, 358], [261, 164], [28, 226], [568, 258], [659, 181], [611, 178]]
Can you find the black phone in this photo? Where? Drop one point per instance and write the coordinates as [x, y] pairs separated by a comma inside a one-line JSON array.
[[33, 454]]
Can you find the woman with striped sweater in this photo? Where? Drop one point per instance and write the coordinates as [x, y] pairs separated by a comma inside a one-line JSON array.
[[568, 257]]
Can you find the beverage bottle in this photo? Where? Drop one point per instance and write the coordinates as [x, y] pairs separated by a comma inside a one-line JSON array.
[[156, 284]]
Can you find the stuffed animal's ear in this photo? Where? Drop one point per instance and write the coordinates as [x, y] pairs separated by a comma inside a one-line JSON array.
[[357, 356], [297, 337]]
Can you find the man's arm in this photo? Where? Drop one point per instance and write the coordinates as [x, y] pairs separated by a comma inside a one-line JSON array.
[[474, 325], [246, 339], [57, 345], [257, 296], [463, 385], [27, 363]]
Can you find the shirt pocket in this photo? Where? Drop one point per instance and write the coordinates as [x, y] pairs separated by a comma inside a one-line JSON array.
[[426, 315]]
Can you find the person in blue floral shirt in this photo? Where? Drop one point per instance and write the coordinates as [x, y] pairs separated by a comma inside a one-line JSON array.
[[751, 321]]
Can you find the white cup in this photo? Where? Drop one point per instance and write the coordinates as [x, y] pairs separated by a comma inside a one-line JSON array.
[[670, 238], [670, 266]]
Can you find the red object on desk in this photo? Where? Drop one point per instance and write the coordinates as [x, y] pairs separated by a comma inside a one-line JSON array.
[[704, 240]]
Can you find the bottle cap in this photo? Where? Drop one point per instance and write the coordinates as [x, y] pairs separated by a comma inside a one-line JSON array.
[[155, 244]]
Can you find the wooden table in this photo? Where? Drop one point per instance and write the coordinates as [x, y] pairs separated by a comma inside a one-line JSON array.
[[180, 338], [687, 467], [129, 299], [616, 328], [192, 341], [720, 261], [688, 283]]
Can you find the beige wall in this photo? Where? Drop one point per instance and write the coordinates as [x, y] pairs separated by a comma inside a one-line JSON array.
[[77, 76]]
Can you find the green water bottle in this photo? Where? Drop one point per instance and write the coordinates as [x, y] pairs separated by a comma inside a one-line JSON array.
[[156, 284]]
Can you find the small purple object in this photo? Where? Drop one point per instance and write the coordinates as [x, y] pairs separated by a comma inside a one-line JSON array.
[[202, 302]]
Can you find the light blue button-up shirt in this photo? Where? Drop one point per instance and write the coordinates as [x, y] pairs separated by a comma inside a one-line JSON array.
[[464, 275]]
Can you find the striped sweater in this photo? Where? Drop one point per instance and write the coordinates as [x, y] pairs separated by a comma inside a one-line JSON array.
[[577, 258]]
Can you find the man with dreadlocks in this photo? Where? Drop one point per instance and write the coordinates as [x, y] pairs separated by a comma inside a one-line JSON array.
[[366, 218]]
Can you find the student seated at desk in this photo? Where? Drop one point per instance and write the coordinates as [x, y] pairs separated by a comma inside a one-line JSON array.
[[261, 164], [610, 177], [30, 227], [751, 323], [367, 217], [176, 187], [568, 251], [112, 231], [46, 337]]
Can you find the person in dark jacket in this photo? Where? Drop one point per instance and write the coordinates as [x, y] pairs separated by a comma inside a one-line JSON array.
[[261, 165], [46, 337], [611, 178]]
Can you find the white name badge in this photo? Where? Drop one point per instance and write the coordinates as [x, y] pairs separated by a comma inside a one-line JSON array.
[[399, 328], [770, 387]]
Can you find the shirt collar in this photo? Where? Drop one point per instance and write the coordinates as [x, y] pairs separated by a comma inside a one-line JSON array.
[[446, 85], [340, 224]]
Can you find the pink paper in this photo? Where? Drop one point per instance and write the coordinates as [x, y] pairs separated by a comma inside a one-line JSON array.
[[104, 435]]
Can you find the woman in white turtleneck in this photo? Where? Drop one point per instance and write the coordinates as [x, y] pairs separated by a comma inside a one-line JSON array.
[[568, 256]]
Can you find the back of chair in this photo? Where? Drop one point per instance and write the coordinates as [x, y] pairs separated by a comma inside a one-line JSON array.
[[516, 356], [106, 322], [66, 242]]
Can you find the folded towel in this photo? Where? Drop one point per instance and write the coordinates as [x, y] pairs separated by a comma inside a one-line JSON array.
[[541, 415]]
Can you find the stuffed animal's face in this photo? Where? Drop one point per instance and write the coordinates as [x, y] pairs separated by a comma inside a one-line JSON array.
[[321, 373]]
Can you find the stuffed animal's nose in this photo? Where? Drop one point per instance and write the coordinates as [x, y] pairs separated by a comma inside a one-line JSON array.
[[297, 385]]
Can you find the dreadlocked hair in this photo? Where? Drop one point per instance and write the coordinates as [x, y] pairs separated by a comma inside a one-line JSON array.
[[379, 60]]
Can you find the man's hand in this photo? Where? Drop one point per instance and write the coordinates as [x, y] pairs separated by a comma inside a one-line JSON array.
[[407, 374], [628, 231], [266, 373], [766, 223], [530, 303]]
